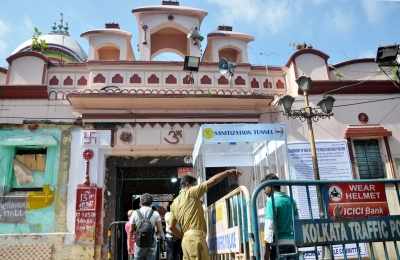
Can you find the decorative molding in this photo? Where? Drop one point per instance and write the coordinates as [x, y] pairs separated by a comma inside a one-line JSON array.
[[367, 131], [117, 78], [135, 79], [205, 80], [223, 81], [254, 83], [68, 81], [279, 84], [187, 80], [99, 78], [153, 79], [170, 79], [240, 81], [82, 81], [363, 118], [53, 81], [267, 83]]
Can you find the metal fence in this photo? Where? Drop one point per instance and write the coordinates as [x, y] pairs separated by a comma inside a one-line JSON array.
[[231, 212], [354, 219], [115, 241]]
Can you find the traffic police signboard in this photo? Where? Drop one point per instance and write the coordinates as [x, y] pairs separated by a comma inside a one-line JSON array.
[[356, 200]]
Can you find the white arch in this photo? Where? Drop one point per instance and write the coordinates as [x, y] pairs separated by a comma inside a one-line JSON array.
[[167, 50]]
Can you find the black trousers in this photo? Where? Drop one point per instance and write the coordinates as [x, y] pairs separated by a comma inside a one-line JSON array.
[[282, 249], [174, 249]]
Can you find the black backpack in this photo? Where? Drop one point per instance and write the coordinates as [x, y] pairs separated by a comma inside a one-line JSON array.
[[144, 231]]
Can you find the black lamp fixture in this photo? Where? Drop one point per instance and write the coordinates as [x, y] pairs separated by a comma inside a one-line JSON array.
[[309, 114], [286, 102], [326, 104], [304, 83], [323, 110], [388, 56], [191, 63]]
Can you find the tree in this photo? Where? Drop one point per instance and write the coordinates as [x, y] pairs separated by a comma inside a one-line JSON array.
[[38, 45]]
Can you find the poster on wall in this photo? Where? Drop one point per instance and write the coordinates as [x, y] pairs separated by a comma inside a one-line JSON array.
[[88, 211], [12, 209], [334, 164]]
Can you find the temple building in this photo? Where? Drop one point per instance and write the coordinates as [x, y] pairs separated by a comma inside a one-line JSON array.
[[84, 131]]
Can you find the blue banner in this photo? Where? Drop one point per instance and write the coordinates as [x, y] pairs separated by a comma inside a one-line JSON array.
[[326, 232]]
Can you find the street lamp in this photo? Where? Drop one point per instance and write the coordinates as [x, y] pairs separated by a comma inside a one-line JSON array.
[[389, 56], [309, 114]]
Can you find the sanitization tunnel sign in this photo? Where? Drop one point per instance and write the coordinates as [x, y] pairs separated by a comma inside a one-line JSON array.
[[356, 200]]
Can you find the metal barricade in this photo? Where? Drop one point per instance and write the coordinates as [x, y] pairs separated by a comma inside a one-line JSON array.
[[118, 246], [229, 227], [351, 219]]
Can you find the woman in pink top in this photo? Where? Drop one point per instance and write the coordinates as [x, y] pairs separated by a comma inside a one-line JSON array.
[[131, 239]]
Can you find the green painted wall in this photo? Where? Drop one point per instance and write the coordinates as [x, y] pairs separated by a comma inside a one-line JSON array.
[[39, 213]]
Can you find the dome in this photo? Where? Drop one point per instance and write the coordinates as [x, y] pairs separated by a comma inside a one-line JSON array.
[[58, 43]]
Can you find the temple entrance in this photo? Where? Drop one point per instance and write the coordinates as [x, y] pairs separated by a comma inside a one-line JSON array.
[[129, 177]]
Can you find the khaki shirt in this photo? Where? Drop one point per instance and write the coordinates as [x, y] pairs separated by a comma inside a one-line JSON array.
[[187, 208]]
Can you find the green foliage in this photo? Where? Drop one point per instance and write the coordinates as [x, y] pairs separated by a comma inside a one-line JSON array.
[[395, 73], [39, 45]]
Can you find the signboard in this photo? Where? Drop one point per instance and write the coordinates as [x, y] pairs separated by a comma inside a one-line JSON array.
[[226, 241], [88, 209], [334, 164], [214, 133], [96, 138], [326, 232], [182, 171], [356, 200], [162, 197], [12, 209], [222, 239]]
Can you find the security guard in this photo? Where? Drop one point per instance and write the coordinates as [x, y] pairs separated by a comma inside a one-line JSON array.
[[188, 212]]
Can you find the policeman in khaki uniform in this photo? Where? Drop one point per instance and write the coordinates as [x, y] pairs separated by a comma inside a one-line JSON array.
[[188, 212]]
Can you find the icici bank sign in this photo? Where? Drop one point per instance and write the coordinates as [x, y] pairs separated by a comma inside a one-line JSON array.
[[356, 200]]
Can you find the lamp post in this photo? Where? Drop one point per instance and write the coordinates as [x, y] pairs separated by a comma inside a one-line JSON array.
[[309, 114]]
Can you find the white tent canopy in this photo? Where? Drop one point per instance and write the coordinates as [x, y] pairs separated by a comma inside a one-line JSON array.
[[222, 145]]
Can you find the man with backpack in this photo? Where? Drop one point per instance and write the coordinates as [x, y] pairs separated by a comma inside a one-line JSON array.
[[146, 223]]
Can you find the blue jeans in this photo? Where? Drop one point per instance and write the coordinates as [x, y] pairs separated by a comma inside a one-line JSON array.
[[145, 253]]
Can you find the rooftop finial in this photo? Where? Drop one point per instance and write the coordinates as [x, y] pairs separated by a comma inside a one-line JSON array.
[[60, 28], [170, 2]]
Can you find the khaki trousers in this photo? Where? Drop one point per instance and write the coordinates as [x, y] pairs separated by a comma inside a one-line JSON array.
[[194, 245]]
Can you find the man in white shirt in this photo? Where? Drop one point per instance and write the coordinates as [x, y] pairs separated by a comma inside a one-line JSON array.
[[137, 218]]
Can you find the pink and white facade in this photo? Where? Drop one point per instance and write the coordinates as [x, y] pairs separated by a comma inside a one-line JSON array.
[[125, 105]]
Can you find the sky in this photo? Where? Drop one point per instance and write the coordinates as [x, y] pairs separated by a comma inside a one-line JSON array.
[[343, 29]]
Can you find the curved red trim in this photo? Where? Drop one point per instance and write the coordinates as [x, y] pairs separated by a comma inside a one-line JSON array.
[[307, 51], [354, 61], [355, 87], [27, 53], [357, 132], [24, 92]]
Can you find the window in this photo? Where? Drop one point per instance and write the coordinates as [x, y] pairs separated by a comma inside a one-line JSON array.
[[29, 166], [368, 157]]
